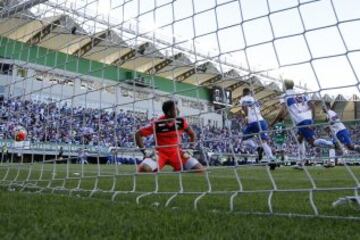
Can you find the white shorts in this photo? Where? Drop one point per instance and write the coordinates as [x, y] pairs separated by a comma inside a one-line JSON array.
[[150, 163], [190, 163]]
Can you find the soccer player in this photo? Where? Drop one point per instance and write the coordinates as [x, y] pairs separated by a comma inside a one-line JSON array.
[[280, 138], [83, 155], [61, 153], [4, 152], [300, 109], [168, 130], [255, 124], [338, 129]]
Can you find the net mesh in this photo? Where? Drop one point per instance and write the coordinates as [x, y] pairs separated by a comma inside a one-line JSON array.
[[82, 77]]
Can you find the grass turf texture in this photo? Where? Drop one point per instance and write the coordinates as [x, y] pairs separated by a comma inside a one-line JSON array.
[[54, 215]]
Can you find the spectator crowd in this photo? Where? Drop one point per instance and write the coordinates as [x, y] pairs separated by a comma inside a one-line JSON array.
[[61, 123]]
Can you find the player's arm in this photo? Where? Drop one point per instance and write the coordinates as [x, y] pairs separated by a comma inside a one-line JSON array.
[[311, 105], [189, 131], [328, 130], [245, 110], [281, 114], [143, 132], [139, 139], [327, 127]]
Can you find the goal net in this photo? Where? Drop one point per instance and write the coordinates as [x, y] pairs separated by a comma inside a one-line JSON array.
[[79, 78]]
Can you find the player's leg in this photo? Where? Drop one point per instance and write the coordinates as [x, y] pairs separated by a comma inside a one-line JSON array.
[[260, 152], [305, 132], [250, 143], [265, 140], [194, 165], [282, 154], [301, 145], [332, 156], [344, 137], [265, 144], [151, 165], [191, 163], [248, 138], [308, 133], [147, 165], [280, 151], [286, 160], [182, 160], [323, 143], [355, 147], [302, 150]]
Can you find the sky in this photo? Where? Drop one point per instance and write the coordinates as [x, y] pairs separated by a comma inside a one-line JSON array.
[[300, 40]]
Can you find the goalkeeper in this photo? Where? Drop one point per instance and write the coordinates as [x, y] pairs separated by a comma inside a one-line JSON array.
[[279, 139], [168, 130]]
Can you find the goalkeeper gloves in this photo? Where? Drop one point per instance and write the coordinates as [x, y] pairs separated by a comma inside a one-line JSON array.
[[188, 153], [148, 153]]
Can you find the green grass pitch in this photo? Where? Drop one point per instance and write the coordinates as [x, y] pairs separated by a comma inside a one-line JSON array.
[[58, 202]]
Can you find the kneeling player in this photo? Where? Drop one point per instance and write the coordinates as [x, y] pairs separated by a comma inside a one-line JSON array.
[[168, 130]]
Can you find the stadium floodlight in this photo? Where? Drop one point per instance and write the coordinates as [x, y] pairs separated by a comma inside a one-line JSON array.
[[80, 78]]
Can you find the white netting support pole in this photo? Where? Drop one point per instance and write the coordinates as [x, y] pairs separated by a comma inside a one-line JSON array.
[[274, 188]]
